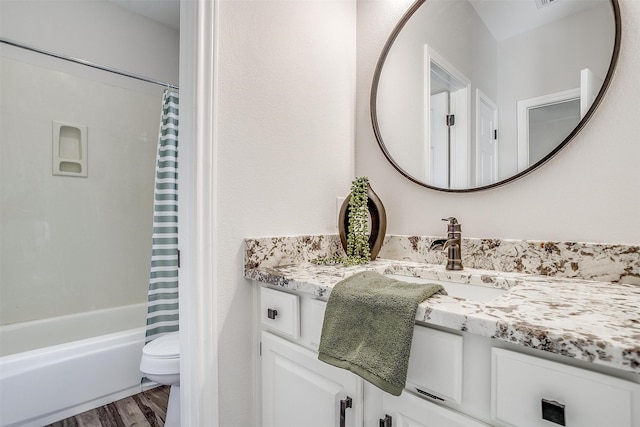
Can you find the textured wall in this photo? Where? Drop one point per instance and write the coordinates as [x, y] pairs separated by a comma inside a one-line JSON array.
[[589, 192], [285, 151], [72, 244], [77, 244]]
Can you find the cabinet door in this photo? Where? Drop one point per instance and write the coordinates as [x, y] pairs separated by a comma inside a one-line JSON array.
[[408, 410], [300, 390], [435, 364]]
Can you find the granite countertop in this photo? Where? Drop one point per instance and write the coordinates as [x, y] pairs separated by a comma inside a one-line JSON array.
[[587, 320]]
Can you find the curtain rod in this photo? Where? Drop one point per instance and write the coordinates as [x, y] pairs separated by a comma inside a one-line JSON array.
[[88, 63]]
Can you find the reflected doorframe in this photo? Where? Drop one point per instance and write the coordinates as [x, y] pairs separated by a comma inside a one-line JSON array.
[[524, 106], [459, 170]]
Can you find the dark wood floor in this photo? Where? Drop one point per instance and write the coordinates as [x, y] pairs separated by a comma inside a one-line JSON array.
[[146, 409]]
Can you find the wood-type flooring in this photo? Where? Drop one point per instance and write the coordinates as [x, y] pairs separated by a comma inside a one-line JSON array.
[[146, 409]]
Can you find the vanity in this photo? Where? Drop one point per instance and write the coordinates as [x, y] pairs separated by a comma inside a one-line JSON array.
[[504, 348]]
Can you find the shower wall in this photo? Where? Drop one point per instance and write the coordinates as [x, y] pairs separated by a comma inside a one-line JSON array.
[[73, 244]]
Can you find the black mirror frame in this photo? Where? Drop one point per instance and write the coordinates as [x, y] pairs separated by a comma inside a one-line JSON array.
[[581, 124]]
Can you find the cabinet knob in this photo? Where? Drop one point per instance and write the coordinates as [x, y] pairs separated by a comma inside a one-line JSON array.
[[344, 404], [272, 313], [553, 411], [387, 421]]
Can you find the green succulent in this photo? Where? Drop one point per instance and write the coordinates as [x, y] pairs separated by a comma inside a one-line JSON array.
[[358, 251], [357, 234]]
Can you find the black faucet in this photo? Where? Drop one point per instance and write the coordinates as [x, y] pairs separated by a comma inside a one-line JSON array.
[[453, 244]]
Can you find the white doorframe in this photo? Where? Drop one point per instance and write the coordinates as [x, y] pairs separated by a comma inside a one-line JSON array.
[[523, 119], [197, 215], [461, 102], [590, 85]]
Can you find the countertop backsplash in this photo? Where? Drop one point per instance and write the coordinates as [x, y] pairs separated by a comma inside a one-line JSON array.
[[590, 261]]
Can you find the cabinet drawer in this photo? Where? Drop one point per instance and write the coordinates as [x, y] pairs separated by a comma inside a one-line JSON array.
[[280, 312], [435, 364], [529, 391], [408, 410]]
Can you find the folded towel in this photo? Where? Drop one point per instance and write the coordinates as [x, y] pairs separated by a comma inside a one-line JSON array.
[[368, 327]]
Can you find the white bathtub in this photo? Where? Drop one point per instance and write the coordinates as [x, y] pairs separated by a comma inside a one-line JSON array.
[[91, 359]]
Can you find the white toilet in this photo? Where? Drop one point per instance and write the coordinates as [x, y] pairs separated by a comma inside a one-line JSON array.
[[161, 363]]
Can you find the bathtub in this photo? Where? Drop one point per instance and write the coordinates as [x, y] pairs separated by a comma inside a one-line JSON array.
[[90, 359]]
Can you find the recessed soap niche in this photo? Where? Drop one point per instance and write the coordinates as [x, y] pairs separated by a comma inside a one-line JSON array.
[[69, 149]]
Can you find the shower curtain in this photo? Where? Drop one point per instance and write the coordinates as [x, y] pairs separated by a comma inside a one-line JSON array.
[[162, 311]]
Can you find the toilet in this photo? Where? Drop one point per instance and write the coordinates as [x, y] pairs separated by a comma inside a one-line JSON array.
[[161, 363]]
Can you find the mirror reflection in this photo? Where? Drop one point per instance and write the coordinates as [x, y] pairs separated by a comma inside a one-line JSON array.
[[474, 92]]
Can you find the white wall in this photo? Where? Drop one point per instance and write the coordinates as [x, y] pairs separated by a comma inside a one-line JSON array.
[[285, 131], [589, 192], [76, 244]]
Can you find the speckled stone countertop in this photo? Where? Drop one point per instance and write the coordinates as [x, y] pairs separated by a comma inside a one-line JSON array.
[[597, 322]]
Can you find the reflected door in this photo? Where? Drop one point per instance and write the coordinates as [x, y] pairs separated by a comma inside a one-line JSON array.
[[487, 140], [543, 122], [439, 141], [548, 124]]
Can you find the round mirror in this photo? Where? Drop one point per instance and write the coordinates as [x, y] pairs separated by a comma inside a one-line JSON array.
[[471, 94]]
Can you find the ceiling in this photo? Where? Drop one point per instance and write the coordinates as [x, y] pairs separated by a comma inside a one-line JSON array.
[[504, 18], [507, 18], [166, 12]]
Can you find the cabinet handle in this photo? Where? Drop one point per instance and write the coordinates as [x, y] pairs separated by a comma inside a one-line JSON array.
[[553, 411], [272, 313], [344, 404], [387, 421]]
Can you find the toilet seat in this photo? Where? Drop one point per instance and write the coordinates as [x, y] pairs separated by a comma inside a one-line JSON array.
[[167, 346], [162, 355], [160, 363]]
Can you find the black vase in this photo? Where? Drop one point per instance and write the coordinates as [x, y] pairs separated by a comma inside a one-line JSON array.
[[378, 222]]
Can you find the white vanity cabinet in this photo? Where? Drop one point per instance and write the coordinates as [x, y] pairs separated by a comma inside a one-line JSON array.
[[299, 390], [454, 380]]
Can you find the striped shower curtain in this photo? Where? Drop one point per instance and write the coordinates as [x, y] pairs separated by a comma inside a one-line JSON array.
[[162, 311]]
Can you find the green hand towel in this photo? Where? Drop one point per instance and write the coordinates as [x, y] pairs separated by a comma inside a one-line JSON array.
[[368, 327]]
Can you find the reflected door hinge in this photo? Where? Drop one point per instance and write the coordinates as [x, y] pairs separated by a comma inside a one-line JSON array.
[[260, 348], [178, 258], [451, 119], [387, 421]]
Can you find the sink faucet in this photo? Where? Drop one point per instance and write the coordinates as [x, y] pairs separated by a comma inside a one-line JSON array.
[[453, 244]]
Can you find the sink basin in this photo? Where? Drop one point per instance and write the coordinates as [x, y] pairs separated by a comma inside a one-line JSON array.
[[459, 290]]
